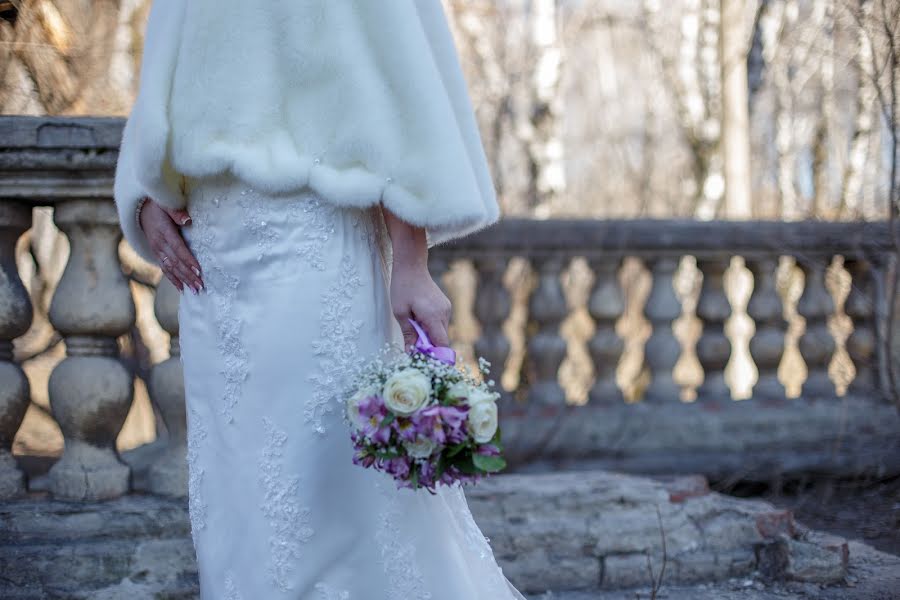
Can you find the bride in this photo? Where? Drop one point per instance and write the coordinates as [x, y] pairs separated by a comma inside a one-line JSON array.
[[288, 164]]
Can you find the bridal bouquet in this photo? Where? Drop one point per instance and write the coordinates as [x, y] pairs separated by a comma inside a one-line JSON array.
[[419, 418]]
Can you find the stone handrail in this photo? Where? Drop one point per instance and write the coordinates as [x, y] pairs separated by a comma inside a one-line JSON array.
[[68, 163]]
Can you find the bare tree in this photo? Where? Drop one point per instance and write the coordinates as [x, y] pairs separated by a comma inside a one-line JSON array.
[[879, 22], [733, 47]]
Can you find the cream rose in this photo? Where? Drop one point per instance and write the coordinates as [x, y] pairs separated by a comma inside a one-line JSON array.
[[458, 391], [353, 405], [479, 396], [406, 391], [421, 448], [482, 420]]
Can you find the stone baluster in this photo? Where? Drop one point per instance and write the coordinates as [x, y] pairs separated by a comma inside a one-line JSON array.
[[861, 343], [15, 319], [767, 344], [546, 347], [816, 344], [167, 473], [662, 349], [605, 305], [713, 347], [90, 390], [492, 305]]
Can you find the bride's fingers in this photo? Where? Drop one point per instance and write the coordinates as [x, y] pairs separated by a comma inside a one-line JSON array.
[[179, 215], [186, 258], [409, 333], [170, 275], [179, 268], [436, 330]]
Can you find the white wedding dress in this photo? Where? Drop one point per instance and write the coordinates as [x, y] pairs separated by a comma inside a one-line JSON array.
[[297, 290]]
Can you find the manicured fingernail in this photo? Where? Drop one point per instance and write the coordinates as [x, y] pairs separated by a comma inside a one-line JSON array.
[[196, 271], [186, 221], [193, 289]]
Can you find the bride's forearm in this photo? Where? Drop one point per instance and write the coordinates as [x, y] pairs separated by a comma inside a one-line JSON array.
[[408, 242]]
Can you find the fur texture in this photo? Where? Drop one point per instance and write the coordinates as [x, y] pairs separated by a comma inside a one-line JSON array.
[[363, 101]]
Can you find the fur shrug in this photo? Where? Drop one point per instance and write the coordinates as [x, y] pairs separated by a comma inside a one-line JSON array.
[[362, 101]]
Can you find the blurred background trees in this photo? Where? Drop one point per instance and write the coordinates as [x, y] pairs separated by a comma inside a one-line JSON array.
[[607, 108]]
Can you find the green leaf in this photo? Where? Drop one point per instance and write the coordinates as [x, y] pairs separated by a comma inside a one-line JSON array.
[[439, 468], [496, 439], [491, 464], [415, 476], [454, 450], [386, 454], [466, 466], [387, 420]]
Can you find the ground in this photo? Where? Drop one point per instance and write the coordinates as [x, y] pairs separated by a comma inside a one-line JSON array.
[[873, 575], [863, 509]]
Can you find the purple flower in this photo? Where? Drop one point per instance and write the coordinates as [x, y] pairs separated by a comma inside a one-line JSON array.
[[454, 416], [488, 450], [398, 467], [371, 406], [363, 459], [378, 434], [428, 424], [405, 428]]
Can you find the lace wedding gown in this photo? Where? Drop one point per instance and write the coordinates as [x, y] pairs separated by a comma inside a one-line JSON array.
[[296, 290]]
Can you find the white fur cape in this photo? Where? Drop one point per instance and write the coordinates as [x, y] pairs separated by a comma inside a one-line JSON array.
[[364, 101]]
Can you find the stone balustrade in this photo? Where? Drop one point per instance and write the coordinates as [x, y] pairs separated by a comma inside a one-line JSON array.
[[69, 163]]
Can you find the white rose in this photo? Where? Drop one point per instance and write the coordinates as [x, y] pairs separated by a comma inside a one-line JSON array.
[[458, 391], [353, 405], [483, 421], [406, 391], [480, 396], [421, 448]]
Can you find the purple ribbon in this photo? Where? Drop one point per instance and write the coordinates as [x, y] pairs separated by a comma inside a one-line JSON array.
[[424, 345]]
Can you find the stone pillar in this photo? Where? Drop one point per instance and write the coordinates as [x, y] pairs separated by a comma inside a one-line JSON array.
[[816, 343], [492, 305], [546, 347], [90, 390], [15, 319], [767, 344], [606, 304], [713, 347], [861, 343], [662, 349], [167, 474]]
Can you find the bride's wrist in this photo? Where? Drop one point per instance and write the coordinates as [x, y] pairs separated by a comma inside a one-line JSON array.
[[409, 246]]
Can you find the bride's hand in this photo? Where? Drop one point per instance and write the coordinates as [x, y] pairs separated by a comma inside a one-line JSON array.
[[415, 294], [162, 226]]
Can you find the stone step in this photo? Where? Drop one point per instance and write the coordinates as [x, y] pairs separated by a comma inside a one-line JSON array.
[[600, 530], [565, 532]]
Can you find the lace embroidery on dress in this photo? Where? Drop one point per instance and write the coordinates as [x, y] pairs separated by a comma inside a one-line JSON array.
[[326, 592], [221, 287], [336, 345], [231, 591], [405, 581], [289, 521], [257, 220], [317, 217], [196, 506]]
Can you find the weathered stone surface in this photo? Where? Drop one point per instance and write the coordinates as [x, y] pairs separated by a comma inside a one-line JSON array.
[[564, 531], [540, 525]]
